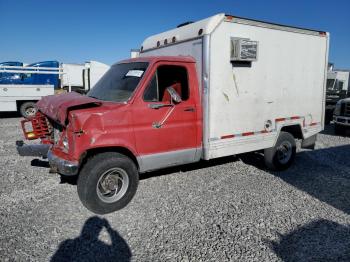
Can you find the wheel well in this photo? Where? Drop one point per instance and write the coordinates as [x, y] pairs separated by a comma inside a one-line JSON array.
[[295, 130], [21, 102], [122, 150]]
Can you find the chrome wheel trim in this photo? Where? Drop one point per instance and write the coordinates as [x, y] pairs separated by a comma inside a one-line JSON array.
[[112, 185], [30, 111]]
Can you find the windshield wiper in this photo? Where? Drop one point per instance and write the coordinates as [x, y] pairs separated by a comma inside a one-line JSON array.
[[94, 97]]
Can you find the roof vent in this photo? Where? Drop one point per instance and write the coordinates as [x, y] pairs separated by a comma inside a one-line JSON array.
[[183, 24]]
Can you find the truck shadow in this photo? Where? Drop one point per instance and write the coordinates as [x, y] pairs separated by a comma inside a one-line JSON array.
[[329, 130], [190, 167], [10, 115], [322, 173], [320, 240], [162, 172], [88, 246]]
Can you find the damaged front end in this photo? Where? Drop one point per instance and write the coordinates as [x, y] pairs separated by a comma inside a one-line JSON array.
[[37, 127], [52, 127], [50, 134]]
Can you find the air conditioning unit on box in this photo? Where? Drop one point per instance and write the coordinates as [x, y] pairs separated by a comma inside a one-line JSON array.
[[244, 49]]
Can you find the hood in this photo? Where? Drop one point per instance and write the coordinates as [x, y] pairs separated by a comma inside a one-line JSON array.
[[57, 107]]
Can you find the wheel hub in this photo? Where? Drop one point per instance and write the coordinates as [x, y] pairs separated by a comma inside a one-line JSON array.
[[112, 185], [284, 152], [30, 111]]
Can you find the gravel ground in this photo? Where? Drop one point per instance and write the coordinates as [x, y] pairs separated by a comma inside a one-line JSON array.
[[231, 209]]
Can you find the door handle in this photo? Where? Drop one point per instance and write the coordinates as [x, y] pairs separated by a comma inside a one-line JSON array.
[[157, 106], [189, 109]]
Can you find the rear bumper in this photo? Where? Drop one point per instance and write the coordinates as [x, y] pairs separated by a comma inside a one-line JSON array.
[[61, 165], [341, 120]]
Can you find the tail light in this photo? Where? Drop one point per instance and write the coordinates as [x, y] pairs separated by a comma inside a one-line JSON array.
[[36, 127]]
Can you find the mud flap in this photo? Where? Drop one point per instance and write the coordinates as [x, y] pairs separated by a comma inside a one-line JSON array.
[[309, 143]]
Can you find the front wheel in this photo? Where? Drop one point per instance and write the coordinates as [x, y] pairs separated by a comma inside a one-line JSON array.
[[107, 182], [282, 155]]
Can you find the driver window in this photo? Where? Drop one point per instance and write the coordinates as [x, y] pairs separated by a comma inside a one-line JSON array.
[[166, 76]]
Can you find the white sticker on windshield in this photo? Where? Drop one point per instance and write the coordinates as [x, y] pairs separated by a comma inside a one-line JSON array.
[[137, 73]]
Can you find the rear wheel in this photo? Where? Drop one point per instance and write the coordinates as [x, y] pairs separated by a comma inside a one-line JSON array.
[[282, 155], [28, 109], [107, 182]]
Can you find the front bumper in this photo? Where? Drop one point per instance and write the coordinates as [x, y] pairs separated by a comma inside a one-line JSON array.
[[341, 120], [57, 164], [62, 166], [40, 150]]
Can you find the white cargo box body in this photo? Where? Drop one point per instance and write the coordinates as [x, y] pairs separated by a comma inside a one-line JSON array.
[[246, 103]]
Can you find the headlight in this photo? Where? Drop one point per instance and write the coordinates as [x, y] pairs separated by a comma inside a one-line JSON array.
[[337, 108]]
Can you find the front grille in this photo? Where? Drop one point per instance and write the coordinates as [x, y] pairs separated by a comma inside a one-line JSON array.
[[36, 127], [347, 109]]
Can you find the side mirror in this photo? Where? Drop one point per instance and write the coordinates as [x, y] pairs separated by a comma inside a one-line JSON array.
[[174, 95]]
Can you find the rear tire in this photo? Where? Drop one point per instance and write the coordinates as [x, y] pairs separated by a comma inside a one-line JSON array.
[[28, 109], [282, 155], [107, 182]]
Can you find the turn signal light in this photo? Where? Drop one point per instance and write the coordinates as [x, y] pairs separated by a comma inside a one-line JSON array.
[[31, 135]]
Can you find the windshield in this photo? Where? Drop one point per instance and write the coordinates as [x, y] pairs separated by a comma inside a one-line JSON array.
[[119, 82]]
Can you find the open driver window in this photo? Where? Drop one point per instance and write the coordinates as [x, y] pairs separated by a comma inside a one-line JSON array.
[[165, 76]]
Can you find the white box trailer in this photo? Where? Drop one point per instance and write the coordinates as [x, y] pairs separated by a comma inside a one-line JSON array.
[[82, 77], [73, 75], [340, 80], [257, 79], [93, 71]]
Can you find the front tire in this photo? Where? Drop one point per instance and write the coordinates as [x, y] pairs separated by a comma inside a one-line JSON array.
[[282, 155], [107, 182]]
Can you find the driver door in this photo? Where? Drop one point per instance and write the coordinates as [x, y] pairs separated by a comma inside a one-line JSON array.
[[166, 131]]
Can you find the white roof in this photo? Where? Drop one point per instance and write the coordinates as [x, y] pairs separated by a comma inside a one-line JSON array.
[[208, 25], [185, 32]]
